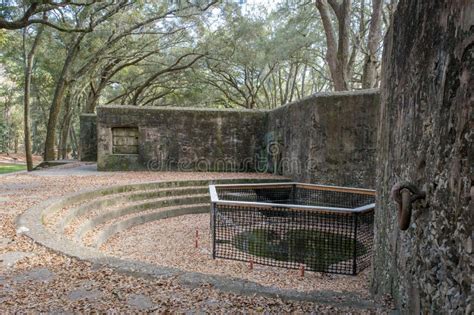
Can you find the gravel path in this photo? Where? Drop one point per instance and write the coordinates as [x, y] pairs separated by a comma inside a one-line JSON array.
[[43, 281]]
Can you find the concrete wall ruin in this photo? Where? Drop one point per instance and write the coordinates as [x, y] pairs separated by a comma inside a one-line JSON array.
[[325, 138], [179, 139], [88, 138]]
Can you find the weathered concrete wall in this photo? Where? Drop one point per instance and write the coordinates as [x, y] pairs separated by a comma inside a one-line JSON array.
[[180, 138], [88, 137], [425, 137], [327, 138]]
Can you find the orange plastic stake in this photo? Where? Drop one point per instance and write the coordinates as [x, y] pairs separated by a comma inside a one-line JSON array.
[[302, 270]]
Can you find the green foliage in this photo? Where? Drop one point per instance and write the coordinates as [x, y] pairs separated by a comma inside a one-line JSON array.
[[10, 168], [144, 54], [3, 38]]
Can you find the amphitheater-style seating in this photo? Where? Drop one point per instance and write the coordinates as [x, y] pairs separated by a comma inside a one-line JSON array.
[[92, 218]]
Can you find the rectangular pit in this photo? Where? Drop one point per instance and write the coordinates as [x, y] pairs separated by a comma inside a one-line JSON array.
[[293, 225]]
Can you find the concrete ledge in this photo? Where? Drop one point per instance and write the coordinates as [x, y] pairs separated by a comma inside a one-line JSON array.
[[86, 196], [92, 223], [159, 109], [87, 207]]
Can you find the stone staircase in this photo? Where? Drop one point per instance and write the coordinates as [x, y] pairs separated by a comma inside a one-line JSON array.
[[93, 220]]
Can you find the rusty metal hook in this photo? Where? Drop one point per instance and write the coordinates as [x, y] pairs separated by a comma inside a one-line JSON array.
[[404, 195]]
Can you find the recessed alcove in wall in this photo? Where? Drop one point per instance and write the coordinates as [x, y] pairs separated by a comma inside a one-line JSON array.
[[125, 140]]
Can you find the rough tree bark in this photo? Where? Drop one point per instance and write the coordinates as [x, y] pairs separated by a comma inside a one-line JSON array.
[[425, 137]]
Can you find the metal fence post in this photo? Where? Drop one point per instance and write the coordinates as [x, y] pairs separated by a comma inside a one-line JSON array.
[[293, 194], [213, 215], [354, 263]]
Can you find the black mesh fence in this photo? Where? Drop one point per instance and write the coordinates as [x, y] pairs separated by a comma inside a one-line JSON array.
[[292, 226]]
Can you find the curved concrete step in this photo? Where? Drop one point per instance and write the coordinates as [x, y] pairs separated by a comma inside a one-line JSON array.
[[65, 216], [139, 219], [129, 209], [114, 200], [108, 192], [86, 198]]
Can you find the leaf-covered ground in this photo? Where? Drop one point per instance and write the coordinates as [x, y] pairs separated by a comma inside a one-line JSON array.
[[171, 243]]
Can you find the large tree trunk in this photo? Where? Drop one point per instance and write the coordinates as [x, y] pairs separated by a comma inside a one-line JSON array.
[[29, 58], [49, 146], [26, 109], [65, 126], [343, 13], [425, 137], [337, 47], [59, 92]]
